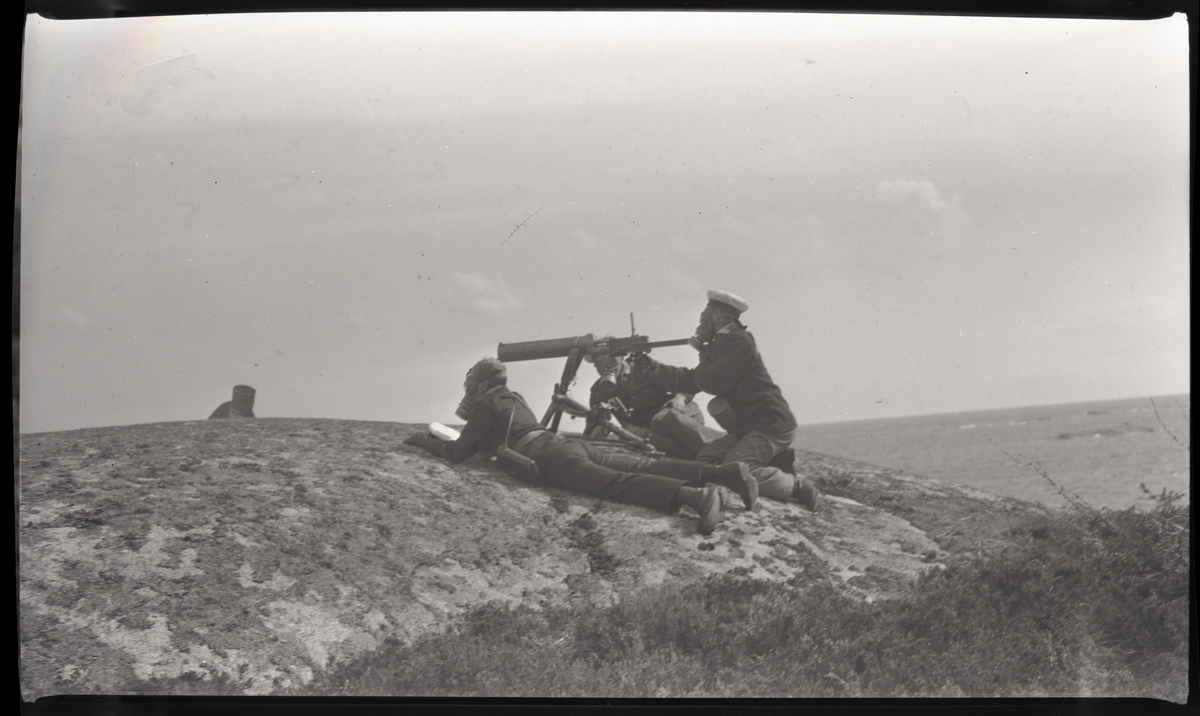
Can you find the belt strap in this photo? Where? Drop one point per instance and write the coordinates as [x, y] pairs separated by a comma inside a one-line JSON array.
[[527, 438]]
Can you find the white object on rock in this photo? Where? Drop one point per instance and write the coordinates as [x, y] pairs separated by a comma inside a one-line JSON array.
[[441, 432]]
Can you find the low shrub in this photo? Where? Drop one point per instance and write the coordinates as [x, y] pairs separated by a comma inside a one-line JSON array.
[[1074, 606]]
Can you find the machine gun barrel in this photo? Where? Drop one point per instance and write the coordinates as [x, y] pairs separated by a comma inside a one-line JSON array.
[[538, 350], [585, 344]]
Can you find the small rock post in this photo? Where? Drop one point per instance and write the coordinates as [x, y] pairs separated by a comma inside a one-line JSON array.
[[242, 405]]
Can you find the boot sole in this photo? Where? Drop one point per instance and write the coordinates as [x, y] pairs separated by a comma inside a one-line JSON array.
[[713, 513], [809, 498], [750, 498]]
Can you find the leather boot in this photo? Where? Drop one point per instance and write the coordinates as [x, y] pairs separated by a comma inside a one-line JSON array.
[[707, 502], [805, 493], [736, 476]]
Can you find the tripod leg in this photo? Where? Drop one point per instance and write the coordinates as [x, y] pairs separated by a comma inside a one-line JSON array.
[[554, 412]]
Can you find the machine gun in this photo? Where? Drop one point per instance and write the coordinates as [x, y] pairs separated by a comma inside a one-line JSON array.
[[601, 415], [574, 349], [599, 418]]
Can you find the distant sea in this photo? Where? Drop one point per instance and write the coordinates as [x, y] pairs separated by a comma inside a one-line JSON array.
[[1101, 451]]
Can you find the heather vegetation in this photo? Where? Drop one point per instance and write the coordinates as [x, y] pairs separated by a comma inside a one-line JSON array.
[[1080, 602]]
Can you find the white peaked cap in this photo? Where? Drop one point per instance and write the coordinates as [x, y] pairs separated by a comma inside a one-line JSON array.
[[728, 300]]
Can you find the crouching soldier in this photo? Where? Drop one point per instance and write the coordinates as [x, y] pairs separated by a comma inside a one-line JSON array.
[[671, 422], [759, 422], [496, 417]]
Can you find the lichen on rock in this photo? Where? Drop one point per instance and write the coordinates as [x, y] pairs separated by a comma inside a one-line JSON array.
[[177, 558]]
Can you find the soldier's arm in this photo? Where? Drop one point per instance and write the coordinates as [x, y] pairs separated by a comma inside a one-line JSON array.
[[474, 433], [672, 379], [724, 364], [469, 442]]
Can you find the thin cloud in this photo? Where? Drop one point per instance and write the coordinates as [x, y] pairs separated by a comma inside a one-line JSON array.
[[488, 295], [907, 192], [920, 210], [473, 281]]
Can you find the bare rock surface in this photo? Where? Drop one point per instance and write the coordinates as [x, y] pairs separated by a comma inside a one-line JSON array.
[[268, 550]]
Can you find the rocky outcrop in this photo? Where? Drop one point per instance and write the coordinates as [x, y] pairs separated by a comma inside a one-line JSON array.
[[242, 405], [267, 551]]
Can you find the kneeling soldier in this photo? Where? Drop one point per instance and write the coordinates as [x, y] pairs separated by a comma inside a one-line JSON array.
[[762, 425], [496, 416]]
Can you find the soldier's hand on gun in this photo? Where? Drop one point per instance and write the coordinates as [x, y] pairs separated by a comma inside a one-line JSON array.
[[696, 342], [677, 403]]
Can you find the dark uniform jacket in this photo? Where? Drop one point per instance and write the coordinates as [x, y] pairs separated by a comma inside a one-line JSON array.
[[730, 367], [637, 392], [489, 423]]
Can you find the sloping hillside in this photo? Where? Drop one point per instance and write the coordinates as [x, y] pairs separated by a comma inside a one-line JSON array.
[[268, 550]]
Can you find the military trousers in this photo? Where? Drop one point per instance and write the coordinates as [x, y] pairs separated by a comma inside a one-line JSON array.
[[574, 466], [756, 450]]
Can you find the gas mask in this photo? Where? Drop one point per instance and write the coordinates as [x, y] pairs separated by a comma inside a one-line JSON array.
[[482, 376], [704, 329], [609, 369], [609, 379], [470, 398], [463, 411], [712, 320]]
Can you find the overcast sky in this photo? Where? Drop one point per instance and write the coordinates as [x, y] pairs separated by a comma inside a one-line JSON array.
[[346, 211]]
